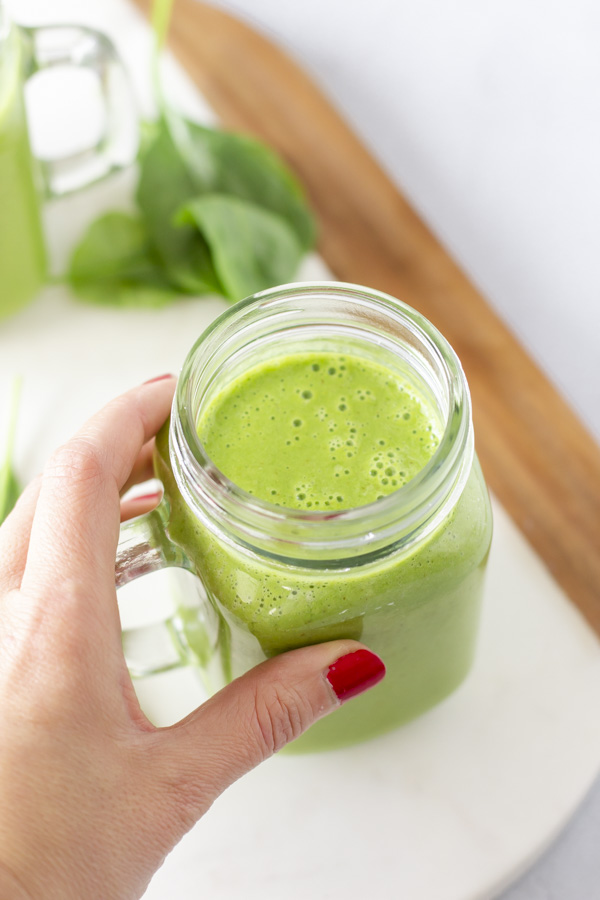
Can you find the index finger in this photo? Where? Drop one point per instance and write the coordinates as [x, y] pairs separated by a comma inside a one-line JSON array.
[[75, 529]]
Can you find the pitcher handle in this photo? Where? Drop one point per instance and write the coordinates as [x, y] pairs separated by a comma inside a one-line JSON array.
[[59, 45]]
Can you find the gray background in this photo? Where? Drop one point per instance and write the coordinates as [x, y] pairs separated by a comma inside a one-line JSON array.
[[487, 114]]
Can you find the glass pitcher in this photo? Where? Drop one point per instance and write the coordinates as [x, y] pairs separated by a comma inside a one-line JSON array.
[[26, 182]]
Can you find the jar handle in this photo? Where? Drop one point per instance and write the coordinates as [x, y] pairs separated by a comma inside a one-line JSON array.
[[59, 45], [145, 547]]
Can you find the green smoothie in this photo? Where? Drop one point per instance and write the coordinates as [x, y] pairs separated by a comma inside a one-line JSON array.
[[22, 257], [315, 431], [323, 432]]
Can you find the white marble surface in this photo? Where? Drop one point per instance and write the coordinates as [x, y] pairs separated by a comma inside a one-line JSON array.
[[487, 117]]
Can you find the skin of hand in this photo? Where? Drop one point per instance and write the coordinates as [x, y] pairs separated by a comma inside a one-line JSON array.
[[92, 795]]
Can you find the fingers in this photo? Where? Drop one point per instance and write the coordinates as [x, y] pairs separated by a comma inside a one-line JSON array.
[[75, 529], [14, 537], [260, 712], [138, 506], [143, 469]]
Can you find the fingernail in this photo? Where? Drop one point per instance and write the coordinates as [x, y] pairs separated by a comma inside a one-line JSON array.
[[354, 673], [146, 498], [159, 378]]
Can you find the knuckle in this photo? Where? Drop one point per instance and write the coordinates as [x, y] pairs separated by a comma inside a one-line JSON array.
[[131, 405], [78, 460], [280, 715]]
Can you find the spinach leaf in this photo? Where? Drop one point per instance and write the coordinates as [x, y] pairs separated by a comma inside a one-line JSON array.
[[116, 265], [246, 226], [9, 485], [252, 248], [245, 168], [164, 186]]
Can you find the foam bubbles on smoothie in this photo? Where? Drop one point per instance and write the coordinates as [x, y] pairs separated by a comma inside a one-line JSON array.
[[319, 431]]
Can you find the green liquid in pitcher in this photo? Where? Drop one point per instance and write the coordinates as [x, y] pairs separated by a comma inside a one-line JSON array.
[[321, 432], [22, 256]]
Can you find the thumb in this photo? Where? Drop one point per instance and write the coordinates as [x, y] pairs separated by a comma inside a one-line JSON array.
[[269, 706]]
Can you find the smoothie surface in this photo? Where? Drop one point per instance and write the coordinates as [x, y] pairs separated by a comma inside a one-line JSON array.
[[319, 431]]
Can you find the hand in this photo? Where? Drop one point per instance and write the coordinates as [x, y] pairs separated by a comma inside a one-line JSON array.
[[92, 795]]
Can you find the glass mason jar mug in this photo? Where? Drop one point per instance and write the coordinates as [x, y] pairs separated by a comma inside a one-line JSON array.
[[403, 574], [25, 181]]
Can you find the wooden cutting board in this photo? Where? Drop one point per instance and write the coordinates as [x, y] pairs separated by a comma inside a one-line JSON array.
[[537, 456]]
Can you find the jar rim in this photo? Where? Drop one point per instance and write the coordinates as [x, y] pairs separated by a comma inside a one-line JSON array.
[[398, 518]]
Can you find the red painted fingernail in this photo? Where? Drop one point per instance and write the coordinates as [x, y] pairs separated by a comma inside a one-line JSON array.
[[159, 378], [354, 673], [147, 497]]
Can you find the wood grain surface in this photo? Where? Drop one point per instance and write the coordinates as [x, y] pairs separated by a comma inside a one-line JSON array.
[[537, 456]]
